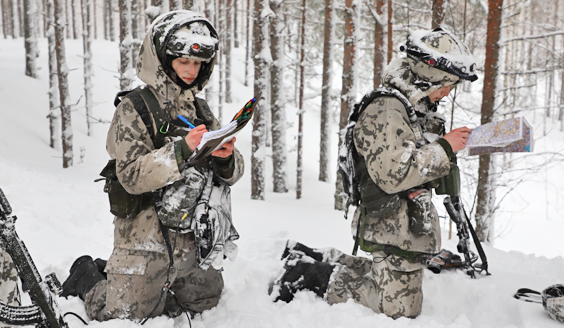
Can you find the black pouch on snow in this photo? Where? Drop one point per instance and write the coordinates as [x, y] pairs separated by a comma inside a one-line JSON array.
[[122, 203], [419, 211], [179, 199]]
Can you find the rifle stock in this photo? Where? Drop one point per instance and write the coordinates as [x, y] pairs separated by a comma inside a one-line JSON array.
[[45, 311]]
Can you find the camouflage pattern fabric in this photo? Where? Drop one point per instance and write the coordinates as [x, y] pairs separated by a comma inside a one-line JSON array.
[[394, 288], [137, 267], [9, 292], [136, 277]]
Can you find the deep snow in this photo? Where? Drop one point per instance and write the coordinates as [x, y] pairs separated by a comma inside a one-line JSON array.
[[63, 214]]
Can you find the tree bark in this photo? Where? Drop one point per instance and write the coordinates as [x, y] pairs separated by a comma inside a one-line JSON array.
[[348, 92], [438, 13], [260, 53], [30, 17], [228, 48], [54, 115], [126, 68], [248, 43], [136, 32], [378, 45], [87, 48], [390, 31], [299, 168], [64, 97], [325, 128], [278, 99], [485, 188]]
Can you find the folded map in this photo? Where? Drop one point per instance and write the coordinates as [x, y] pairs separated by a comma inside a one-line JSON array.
[[507, 136]]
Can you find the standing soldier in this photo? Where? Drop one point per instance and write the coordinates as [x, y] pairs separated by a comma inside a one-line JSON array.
[[400, 151], [155, 243]]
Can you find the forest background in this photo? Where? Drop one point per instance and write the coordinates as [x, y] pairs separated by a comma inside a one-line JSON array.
[[311, 62]]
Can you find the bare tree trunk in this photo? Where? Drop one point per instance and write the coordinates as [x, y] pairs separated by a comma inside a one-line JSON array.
[[94, 20], [228, 48], [235, 23], [13, 19], [248, 43], [136, 32], [175, 5], [348, 92], [378, 45], [486, 189], [74, 19], [299, 169], [54, 112], [438, 13], [6, 19], [30, 17], [87, 47], [390, 31], [278, 99], [64, 97], [260, 32], [188, 4], [325, 129], [126, 68]]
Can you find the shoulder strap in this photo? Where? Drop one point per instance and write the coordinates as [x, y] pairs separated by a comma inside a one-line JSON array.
[[203, 111]]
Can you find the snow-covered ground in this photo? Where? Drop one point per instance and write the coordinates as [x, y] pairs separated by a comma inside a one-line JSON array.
[[63, 214]]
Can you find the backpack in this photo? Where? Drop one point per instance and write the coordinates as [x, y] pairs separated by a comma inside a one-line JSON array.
[[122, 203], [348, 166]]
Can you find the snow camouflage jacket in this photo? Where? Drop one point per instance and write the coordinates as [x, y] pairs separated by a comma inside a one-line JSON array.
[[385, 139], [140, 167]]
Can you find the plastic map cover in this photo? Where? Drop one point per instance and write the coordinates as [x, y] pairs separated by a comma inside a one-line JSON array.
[[507, 136], [213, 140]]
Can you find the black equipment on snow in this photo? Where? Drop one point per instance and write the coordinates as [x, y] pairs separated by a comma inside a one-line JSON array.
[[464, 230], [551, 298], [45, 311]]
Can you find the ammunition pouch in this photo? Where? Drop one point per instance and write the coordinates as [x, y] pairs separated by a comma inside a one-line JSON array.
[[419, 211], [122, 203], [450, 184]]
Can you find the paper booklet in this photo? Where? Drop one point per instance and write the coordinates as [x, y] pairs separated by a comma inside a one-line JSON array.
[[507, 136], [214, 140]]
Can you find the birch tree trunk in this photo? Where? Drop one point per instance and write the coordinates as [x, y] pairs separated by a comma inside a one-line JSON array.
[[228, 47], [86, 9], [299, 168], [125, 40], [30, 17], [325, 128], [64, 97], [278, 98], [261, 56], [378, 44], [54, 112], [438, 13], [348, 92], [248, 43], [136, 32], [486, 188], [235, 23]]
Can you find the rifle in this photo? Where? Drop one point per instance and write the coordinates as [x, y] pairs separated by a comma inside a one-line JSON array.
[[464, 226], [45, 311]]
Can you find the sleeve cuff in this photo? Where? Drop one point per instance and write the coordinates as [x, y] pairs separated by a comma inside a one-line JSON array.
[[182, 152], [224, 167], [446, 146]]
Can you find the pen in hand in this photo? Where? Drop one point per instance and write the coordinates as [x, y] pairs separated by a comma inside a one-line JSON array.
[[185, 120]]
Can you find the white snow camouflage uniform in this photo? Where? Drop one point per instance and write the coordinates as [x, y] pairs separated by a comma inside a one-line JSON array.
[[9, 291], [384, 138], [137, 268]]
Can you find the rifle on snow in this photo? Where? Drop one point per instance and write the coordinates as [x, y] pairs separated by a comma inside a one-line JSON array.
[[45, 311], [464, 226]]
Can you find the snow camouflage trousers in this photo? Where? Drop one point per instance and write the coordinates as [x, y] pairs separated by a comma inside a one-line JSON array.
[[394, 288], [9, 292], [136, 278]]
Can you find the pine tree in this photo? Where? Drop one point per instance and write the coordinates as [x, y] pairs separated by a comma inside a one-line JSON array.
[[86, 9], [325, 129]]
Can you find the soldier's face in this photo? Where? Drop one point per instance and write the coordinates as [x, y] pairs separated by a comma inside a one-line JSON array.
[[186, 69], [439, 94]]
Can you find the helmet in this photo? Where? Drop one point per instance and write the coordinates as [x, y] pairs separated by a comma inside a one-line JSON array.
[[439, 49], [193, 41], [553, 302]]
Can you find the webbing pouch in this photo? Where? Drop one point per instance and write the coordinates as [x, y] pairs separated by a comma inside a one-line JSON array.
[[122, 203]]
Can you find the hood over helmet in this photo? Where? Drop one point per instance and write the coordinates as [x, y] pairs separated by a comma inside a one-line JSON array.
[[180, 33], [434, 59]]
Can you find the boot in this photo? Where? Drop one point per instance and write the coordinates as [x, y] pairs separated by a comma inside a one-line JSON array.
[[84, 275], [101, 264], [293, 246], [303, 274]]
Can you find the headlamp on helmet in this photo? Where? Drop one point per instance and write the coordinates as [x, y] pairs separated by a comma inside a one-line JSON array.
[[193, 42], [441, 50]]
